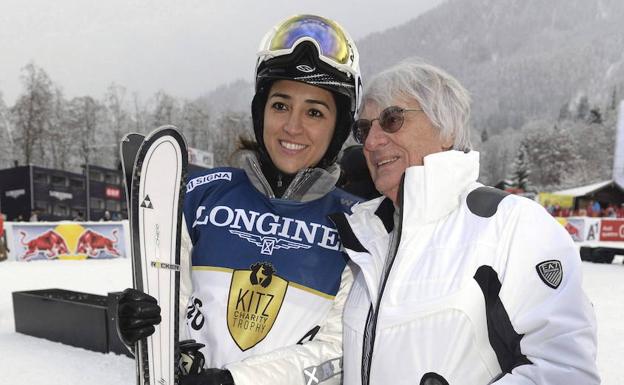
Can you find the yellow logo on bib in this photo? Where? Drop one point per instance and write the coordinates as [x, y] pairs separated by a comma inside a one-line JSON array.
[[254, 302]]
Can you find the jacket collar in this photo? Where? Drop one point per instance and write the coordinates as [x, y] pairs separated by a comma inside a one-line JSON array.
[[432, 191], [307, 185], [428, 193]]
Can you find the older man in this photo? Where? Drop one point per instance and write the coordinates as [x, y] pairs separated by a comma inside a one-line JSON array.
[[458, 283]]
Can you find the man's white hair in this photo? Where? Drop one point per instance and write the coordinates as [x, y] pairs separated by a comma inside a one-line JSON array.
[[443, 99]]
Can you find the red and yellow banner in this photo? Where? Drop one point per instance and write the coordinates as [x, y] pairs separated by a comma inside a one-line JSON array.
[[67, 240]]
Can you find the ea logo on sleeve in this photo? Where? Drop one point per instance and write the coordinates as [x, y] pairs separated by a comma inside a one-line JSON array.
[[550, 272]]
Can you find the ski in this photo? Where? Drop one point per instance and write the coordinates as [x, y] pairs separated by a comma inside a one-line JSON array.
[[155, 213], [130, 144]]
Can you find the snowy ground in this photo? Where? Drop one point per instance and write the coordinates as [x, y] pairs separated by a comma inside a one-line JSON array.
[[35, 361]]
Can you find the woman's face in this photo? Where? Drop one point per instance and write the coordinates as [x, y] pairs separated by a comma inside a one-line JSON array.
[[299, 122]]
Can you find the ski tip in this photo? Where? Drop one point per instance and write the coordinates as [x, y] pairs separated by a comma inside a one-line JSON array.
[[167, 129], [132, 136]]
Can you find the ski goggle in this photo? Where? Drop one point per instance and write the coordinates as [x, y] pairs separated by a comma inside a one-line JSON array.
[[390, 120], [335, 46]]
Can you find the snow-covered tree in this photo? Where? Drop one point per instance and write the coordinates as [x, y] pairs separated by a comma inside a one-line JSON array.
[[497, 155], [224, 137], [521, 170], [32, 112], [196, 124], [552, 155], [166, 110], [59, 138], [83, 121], [6, 136], [117, 118]]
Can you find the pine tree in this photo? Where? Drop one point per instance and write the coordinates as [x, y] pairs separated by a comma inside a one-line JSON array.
[[484, 135], [595, 116], [521, 171], [614, 102], [582, 108]]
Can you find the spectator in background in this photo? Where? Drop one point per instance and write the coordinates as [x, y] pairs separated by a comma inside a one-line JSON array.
[[355, 177], [565, 212], [609, 212], [106, 217], [619, 213], [557, 210], [596, 209], [34, 217], [79, 217]]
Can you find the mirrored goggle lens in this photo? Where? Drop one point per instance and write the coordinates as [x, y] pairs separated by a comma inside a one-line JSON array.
[[328, 35], [390, 120]]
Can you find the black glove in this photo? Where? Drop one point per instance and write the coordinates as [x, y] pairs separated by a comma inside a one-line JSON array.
[[137, 313], [208, 377], [191, 359]]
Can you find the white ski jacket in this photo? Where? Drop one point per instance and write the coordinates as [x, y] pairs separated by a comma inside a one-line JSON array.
[[463, 285]]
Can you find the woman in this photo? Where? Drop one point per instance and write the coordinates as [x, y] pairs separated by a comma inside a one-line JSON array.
[[268, 276], [458, 283]]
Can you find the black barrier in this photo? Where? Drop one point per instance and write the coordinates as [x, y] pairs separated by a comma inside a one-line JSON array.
[[600, 254], [73, 318]]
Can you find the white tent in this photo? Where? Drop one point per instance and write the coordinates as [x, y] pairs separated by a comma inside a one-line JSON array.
[[584, 190]]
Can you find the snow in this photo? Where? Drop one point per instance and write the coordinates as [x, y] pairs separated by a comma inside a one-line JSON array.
[[35, 361], [584, 190]]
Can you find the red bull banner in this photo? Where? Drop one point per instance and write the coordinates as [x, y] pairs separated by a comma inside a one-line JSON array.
[[575, 227], [581, 229], [612, 230], [67, 240]]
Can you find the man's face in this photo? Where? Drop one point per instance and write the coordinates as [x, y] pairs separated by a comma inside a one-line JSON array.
[[389, 154]]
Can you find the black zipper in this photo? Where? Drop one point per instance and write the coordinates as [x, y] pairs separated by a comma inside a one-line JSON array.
[[373, 314]]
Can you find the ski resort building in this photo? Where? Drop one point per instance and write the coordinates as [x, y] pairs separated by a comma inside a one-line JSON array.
[[61, 195]]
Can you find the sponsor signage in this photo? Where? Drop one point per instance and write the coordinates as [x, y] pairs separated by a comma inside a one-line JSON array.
[[112, 192], [575, 227], [201, 180], [67, 240], [200, 158], [612, 230], [564, 201], [255, 299], [15, 193], [60, 195], [268, 231]]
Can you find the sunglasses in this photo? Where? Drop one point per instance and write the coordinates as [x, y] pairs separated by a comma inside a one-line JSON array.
[[391, 120]]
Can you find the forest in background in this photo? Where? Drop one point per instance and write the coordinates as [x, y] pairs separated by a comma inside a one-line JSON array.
[[546, 79]]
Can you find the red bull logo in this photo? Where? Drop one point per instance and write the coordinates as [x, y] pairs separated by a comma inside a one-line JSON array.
[[575, 229], [572, 230], [48, 245], [93, 243]]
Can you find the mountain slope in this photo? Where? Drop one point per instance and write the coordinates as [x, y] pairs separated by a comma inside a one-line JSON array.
[[521, 59]]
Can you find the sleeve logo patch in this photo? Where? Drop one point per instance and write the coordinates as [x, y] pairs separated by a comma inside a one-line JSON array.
[[550, 272]]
